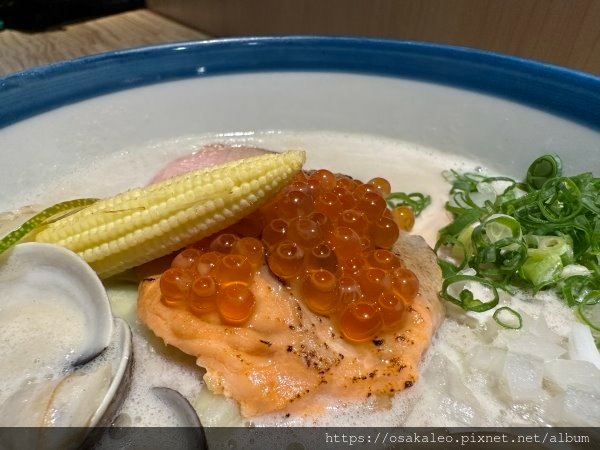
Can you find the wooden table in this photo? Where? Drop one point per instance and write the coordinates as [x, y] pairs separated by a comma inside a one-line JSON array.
[[564, 32], [21, 50]]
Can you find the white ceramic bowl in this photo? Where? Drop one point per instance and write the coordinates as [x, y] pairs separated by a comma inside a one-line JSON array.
[[74, 116]]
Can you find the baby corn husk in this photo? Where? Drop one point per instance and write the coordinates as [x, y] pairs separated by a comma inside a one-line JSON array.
[[142, 224]]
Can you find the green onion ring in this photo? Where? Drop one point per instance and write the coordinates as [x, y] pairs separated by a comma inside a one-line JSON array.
[[542, 169], [506, 256], [447, 267], [575, 288], [415, 200], [511, 311], [559, 195], [466, 299], [589, 301]]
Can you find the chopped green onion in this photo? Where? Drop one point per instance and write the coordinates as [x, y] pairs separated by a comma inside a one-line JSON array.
[[448, 269], [543, 169], [41, 219], [461, 221], [574, 289], [559, 200], [466, 299], [500, 226], [415, 200], [540, 233], [589, 309], [498, 248], [541, 268], [508, 318], [499, 260], [572, 270], [464, 243]]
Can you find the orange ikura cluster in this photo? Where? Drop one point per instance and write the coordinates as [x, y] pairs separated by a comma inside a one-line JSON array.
[[328, 237], [218, 278]]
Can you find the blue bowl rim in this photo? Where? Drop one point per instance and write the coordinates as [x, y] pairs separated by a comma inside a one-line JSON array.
[[564, 92]]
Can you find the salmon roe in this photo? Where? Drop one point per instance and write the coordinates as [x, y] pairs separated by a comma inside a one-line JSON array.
[[404, 217], [217, 279], [328, 237]]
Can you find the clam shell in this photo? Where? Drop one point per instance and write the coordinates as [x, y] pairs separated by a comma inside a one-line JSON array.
[[33, 270], [71, 362]]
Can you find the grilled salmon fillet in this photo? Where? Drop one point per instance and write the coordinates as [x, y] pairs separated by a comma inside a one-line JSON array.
[[286, 357]]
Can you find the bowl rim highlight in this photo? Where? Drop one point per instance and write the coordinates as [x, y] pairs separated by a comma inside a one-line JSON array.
[[561, 91]]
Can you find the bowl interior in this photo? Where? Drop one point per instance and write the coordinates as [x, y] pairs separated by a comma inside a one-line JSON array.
[[504, 134]]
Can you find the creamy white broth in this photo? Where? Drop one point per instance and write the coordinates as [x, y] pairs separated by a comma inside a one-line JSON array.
[[33, 347], [409, 168]]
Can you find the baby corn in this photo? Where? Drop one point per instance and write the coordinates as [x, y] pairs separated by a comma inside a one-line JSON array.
[[142, 224]]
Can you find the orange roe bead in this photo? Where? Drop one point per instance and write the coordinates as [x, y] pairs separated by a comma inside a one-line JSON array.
[[315, 187], [382, 185], [360, 192], [175, 285], [354, 219], [274, 232], [356, 183], [301, 186], [372, 204], [319, 291], [373, 281], [405, 282], [233, 269], [328, 204], [186, 259], [252, 249], [300, 177], [345, 183], [384, 232], [270, 211], [360, 322], [203, 295], [349, 291], [304, 231], [387, 213], [322, 256], [352, 266], [207, 263], [324, 179], [250, 226], [286, 260], [384, 259], [235, 303], [223, 243], [391, 307], [203, 244], [404, 217], [346, 242], [365, 244], [322, 220], [294, 204], [344, 196]]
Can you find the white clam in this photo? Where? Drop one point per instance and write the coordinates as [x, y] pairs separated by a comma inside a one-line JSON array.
[[66, 361], [39, 279]]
